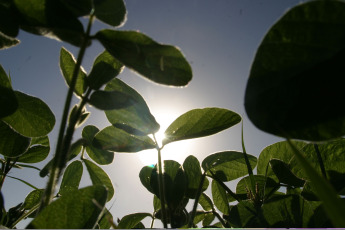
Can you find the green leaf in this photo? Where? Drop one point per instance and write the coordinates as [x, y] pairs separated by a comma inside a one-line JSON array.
[[12, 144], [78, 7], [37, 152], [8, 99], [105, 68], [7, 42], [298, 68], [228, 165], [220, 199], [85, 208], [209, 217], [265, 187], [199, 123], [136, 118], [99, 177], [175, 183], [156, 203], [243, 215], [105, 221], [193, 173], [67, 65], [108, 100], [206, 202], [100, 156], [145, 178], [117, 140], [334, 206], [50, 19], [71, 178], [33, 199], [282, 171], [289, 211], [162, 64], [33, 118], [131, 220], [280, 151], [112, 12]]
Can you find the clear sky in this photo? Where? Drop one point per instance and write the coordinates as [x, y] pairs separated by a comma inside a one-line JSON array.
[[219, 38]]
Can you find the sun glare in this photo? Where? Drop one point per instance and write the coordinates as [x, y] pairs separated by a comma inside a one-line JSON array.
[[177, 151]]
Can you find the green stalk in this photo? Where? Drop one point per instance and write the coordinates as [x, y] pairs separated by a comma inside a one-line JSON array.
[[196, 201], [319, 158], [24, 216], [249, 167], [60, 157], [161, 185], [221, 220]]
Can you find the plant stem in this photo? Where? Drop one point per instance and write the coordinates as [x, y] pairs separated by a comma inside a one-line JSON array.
[[196, 201], [249, 167], [161, 185], [319, 158], [61, 151], [219, 218]]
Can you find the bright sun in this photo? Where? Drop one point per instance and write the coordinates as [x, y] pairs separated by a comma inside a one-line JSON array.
[[177, 151]]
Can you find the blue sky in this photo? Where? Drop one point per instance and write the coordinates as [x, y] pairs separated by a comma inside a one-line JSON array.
[[218, 37]]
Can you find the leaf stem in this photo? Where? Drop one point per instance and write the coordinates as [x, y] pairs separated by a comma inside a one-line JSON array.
[[319, 158], [61, 151], [196, 201], [249, 167], [161, 185]]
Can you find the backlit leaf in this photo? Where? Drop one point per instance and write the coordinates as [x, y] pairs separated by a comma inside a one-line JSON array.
[[99, 177], [37, 152], [220, 199], [117, 140], [33, 199], [109, 100], [8, 100], [162, 64], [131, 220], [67, 65], [228, 165], [206, 202], [199, 123], [100, 156], [298, 68], [78, 7], [105, 68], [136, 118], [33, 118], [50, 19], [193, 173], [85, 208], [7, 42], [282, 171], [71, 178], [112, 12], [12, 144]]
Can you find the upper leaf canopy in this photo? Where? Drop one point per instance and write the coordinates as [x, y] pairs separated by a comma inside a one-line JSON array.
[[162, 64]]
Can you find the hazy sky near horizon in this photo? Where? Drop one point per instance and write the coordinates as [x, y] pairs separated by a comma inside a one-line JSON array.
[[219, 39]]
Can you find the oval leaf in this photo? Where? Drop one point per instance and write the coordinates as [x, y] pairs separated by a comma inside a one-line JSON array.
[[100, 156], [8, 99], [193, 173], [199, 123], [220, 198], [162, 64], [108, 100], [228, 165], [105, 68], [71, 178], [7, 42], [33, 118], [37, 152], [50, 19], [282, 171], [78, 7], [112, 12], [67, 65], [85, 206], [136, 118], [99, 177], [12, 144], [33, 199], [117, 140], [131, 220], [298, 67]]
